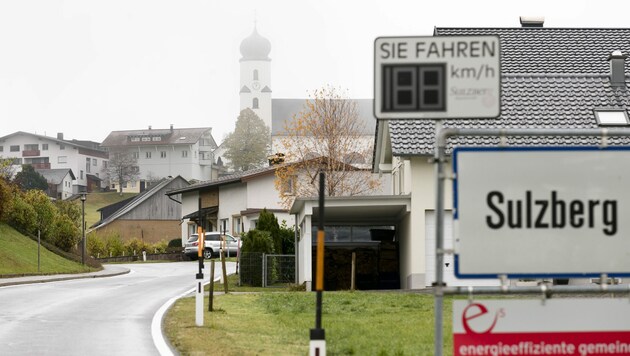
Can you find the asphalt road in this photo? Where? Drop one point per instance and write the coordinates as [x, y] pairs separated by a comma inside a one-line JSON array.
[[98, 316]]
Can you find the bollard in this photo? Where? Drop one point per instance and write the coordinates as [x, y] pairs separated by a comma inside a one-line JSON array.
[[144, 256]]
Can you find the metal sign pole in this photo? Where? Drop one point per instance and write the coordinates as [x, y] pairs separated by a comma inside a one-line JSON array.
[[318, 335], [439, 250]]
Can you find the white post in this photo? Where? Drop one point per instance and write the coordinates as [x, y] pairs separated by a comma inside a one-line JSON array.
[[144, 256], [199, 303]]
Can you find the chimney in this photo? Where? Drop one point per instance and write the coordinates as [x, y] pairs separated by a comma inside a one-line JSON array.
[[59, 135], [617, 69], [532, 21], [171, 127], [149, 127]]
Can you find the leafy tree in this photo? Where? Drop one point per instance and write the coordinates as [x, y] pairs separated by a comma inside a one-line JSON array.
[[122, 168], [326, 136], [6, 168], [7, 192], [45, 211], [66, 234], [248, 146], [29, 179], [23, 216]]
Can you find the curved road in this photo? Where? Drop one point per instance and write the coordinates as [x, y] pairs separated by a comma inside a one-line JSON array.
[[97, 316]]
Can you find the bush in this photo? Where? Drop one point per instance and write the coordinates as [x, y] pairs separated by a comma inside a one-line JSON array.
[[65, 234], [160, 247], [47, 217], [23, 216], [135, 246], [114, 245], [175, 243], [96, 246]]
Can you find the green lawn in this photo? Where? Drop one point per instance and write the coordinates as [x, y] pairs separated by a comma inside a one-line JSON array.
[[18, 255], [356, 323]]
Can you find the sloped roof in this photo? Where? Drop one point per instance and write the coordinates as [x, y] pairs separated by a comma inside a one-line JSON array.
[[284, 109], [228, 179], [551, 78], [56, 176], [136, 201], [84, 145], [168, 137]]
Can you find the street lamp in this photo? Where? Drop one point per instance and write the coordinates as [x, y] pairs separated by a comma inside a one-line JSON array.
[[83, 197]]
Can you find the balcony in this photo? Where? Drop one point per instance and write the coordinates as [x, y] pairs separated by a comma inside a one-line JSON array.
[[41, 165], [30, 153]]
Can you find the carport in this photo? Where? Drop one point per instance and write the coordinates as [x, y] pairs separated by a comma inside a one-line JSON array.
[[371, 226]]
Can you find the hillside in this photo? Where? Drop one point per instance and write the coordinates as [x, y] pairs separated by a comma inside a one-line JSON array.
[[96, 201], [18, 255]]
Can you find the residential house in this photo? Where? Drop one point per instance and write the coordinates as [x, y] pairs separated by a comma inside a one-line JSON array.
[[162, 153], [230, 203], [43, 152], [550, 78], [150, 216], [59, 182]]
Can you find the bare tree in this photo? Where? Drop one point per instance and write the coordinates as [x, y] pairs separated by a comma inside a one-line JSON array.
[[122, 168], [326, 136]]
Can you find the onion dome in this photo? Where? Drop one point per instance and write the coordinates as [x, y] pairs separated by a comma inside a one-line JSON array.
[[255, 48]]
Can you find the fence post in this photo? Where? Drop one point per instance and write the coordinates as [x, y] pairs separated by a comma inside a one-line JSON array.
[[264, 270], [353, 272]]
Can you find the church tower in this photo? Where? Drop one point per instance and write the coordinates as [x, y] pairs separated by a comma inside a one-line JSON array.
[[255, 85]]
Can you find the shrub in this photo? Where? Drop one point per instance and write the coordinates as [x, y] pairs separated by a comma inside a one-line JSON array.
[[160, 247], [135, 246], [114, 245], [255, 244], [65, 234], [46, 216], [23, 216], [96, 246]]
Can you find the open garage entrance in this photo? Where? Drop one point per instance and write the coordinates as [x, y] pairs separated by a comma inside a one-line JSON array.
[[368, 227]]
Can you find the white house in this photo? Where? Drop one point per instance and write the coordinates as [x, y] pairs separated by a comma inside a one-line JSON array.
[[59, 182], [162, 153], [231, 203], [550, 78], [43, 152]]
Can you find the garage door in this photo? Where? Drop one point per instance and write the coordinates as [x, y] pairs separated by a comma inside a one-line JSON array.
[[449, 266]]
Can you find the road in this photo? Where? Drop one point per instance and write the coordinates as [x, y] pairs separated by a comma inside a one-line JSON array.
[[98, 316]]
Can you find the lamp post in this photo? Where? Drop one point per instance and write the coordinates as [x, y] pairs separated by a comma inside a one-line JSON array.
[[83, 197]]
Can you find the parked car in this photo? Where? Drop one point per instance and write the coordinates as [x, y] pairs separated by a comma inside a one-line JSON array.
[[213, 242]]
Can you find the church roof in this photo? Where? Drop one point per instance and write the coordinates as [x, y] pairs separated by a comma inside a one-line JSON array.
[[255, 47], [284, 109]]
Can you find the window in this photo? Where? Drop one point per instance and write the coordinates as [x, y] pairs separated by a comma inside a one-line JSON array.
[[1, 148], [135, 139], [255, 74], [31, 147], [223, 225], [288, 188], [104, 164], [156, 138], [135, 155], [15, 148], [236, 225], [62, 147], [163, 154], [133, 184], [94, 163], [17, 161], [87, 165], [611, 117], [62, 159], [113, 186], [148, 154], [44, 147], [124, 185], [146, 139], [255, 103], [81, 175], [184, 154]]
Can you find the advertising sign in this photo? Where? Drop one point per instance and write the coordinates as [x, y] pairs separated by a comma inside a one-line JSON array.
[[541, 212], [437, 77], [578, 326]]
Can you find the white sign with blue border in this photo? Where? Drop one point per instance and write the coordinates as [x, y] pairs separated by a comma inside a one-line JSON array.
[[541, 212]]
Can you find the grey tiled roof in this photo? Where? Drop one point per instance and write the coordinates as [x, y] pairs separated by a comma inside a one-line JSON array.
[[542, 50], [169, 137], [551, 78]]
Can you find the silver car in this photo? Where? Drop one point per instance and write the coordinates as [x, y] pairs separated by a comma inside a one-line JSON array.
[[213, 242]]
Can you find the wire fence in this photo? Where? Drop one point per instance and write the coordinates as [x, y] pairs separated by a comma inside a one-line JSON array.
[[263, 270]]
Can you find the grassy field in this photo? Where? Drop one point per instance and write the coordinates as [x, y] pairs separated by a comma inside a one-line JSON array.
[[356, 323], [18, 255]]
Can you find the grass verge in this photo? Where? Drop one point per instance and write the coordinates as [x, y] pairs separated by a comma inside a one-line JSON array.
[[18, 254], [356, 323]]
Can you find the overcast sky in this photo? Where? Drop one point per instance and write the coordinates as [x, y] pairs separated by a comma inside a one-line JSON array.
[[86, 68]]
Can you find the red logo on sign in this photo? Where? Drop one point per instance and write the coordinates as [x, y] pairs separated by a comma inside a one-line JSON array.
[[475, 310]]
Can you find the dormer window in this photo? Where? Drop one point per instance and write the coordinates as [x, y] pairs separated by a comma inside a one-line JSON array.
[[612, 117], [255, 74], [255, 103]]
